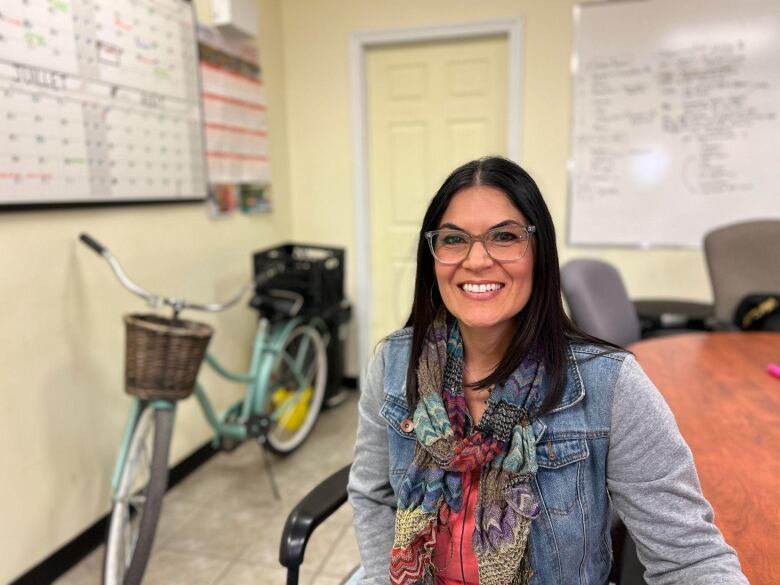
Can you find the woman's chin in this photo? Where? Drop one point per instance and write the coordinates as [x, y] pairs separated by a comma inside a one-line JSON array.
[[482, 323]]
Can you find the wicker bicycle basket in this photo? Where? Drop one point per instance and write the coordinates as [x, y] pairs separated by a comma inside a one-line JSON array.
[[163, 356]]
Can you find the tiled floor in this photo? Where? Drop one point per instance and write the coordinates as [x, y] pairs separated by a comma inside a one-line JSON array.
[[221, 525]]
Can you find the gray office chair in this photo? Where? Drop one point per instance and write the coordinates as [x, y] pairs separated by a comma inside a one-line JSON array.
[[742, 258], [598, 301]]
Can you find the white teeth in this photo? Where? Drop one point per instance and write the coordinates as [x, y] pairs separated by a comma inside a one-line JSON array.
[[481, 288]]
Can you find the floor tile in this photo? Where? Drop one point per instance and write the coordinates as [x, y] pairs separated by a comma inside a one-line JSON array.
[[173, 568], [343, 515], [220, 533], [174, 516], [241, 573], [344, 557], [325, 580], [232, 486]]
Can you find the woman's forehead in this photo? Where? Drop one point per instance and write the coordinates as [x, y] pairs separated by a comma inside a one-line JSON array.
[[479, 208]]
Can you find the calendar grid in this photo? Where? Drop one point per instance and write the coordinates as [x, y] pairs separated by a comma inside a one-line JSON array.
[[99, 101]]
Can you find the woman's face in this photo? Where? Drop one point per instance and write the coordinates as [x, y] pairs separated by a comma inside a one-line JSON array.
[[475, 210]]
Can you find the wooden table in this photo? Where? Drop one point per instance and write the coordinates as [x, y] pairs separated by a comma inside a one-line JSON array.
[[728, 409]]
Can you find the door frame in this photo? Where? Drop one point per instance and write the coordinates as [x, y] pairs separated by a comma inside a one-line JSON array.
[[360, 43]]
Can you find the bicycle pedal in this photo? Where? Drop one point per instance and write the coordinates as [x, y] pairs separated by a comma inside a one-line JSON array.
[[258, 425]]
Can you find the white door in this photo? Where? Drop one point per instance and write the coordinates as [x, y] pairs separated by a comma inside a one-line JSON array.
[[431, 107]]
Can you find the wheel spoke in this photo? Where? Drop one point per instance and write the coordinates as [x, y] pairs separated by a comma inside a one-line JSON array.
[[128, 542], [311, 371], [144, 463], [300, 369], [289, 367], [303, 348], [137, 500]]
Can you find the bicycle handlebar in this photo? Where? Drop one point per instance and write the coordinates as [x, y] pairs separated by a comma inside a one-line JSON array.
[[176, 303]]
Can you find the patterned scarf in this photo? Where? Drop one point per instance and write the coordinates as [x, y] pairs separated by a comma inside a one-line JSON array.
[[501, 447]]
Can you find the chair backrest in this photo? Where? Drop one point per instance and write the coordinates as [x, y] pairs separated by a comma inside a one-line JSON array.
[[598, 301], [742, 258]]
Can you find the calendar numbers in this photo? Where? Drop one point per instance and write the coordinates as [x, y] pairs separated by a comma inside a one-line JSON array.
[[99, 101]]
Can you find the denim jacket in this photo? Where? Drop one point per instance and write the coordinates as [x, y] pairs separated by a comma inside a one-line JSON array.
[[611, 443]]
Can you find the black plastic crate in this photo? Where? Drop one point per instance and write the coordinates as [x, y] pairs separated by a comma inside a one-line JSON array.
[[336, 319], [316, 272]]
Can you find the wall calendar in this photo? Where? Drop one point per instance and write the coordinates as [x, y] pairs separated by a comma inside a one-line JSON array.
[[99, 102]]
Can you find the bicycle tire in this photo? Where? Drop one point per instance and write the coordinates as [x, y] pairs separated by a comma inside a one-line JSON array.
[[274, 442], [127, 554]]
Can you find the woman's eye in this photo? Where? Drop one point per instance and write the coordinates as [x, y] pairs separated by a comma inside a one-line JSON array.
[[504, 236], [453, 239]]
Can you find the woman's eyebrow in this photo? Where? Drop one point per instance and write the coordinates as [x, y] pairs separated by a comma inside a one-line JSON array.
[[504, 223]]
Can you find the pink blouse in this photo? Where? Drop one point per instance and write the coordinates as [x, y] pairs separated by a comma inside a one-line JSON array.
[[454, 557]]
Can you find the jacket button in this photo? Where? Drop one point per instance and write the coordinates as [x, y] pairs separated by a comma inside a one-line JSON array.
[[407, 426]]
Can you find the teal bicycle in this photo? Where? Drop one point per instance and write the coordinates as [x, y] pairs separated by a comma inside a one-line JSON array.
[[285, 386]]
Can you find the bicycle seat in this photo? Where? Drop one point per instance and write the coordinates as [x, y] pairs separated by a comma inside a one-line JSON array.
[[277, 304]]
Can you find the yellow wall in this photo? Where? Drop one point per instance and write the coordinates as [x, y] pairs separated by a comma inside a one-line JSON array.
[[62, 408], [316, 54]]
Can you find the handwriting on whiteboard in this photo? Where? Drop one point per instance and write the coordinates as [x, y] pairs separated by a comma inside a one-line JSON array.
[[708, 104]]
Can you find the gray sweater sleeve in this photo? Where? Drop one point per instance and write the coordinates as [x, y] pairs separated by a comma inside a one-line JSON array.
[[372, 498], [655, 490]]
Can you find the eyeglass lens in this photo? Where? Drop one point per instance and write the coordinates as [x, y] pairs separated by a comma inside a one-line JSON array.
[[504, 243]]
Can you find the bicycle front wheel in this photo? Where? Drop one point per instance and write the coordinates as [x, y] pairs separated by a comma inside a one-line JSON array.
[[138, 500], [297, 389]]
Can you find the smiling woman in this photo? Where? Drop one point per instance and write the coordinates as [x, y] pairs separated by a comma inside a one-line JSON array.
[[497, 441], [484, 293], [482, 197]]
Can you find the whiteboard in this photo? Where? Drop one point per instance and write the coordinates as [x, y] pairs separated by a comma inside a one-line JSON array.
[[676, 125], [99, 101]]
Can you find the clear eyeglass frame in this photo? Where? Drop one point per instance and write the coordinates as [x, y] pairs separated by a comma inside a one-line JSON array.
[[485, 239]]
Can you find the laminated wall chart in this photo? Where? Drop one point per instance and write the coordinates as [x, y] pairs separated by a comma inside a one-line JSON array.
[[99, 102], [234, 108], [676, 119]]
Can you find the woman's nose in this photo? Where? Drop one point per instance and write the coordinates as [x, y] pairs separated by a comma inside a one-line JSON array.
[[477, 257]]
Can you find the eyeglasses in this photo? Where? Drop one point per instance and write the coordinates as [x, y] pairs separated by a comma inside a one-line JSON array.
[[503, 244]]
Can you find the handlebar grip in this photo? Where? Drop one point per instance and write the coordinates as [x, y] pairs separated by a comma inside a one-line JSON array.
[[92, 243]]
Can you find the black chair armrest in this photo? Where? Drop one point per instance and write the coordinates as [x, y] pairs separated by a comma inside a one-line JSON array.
[[310, 512], [660, 314]]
